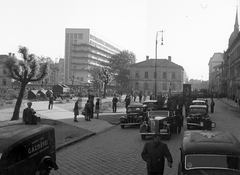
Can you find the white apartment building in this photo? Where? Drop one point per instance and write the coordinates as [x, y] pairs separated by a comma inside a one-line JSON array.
[[83, 50]]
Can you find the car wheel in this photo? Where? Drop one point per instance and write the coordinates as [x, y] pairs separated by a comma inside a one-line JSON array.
[[122, 126], [143, 137]]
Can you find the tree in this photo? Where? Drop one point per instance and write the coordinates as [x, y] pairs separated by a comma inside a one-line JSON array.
[[24, 71], [119, 64], [102, 75]]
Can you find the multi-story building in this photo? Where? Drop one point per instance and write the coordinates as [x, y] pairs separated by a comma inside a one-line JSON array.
[[170, 76], [5, 80], [229, 68], [84, 49], [214, 61]]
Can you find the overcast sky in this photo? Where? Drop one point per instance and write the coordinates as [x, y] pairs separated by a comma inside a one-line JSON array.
[[193, 29]]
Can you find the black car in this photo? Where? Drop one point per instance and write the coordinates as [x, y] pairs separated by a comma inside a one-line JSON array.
[[135, 115], [198, 117], [157, 122], [150, 104], [209, 152]]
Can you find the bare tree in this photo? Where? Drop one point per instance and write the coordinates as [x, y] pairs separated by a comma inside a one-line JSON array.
[[24, 71]]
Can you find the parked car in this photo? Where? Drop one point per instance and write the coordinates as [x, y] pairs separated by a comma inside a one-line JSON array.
[[198, 102], [27, 149], [150, 104], [209, 152], [157, 122], [198, 117], [134, 116]]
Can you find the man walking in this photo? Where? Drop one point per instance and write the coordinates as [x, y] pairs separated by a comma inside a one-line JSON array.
[[114, 101], [50, 105], [154, 153]]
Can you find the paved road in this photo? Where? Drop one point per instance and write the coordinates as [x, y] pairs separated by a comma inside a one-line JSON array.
[[117, 151]]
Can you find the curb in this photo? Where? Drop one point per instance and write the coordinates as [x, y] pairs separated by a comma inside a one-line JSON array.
[[75, 141]]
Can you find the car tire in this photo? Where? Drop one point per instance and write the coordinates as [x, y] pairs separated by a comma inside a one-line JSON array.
[[122, 126], [143, 137]]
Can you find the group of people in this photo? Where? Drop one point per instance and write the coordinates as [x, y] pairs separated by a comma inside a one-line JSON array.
[[88, 110]]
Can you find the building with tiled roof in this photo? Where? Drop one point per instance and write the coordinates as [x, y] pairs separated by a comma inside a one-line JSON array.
[[170, 76]]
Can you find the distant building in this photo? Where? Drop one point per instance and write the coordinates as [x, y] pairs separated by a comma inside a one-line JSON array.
[[83, 50], [214, 61], [5, 80], [170, 76], [61, 70]]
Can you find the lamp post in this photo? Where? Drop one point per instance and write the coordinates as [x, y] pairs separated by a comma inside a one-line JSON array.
[[156, 60]]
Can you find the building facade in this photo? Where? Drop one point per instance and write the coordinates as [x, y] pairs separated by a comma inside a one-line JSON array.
[[170, 76], [227, 74], [214, 61], [84, 49], [5, 80]]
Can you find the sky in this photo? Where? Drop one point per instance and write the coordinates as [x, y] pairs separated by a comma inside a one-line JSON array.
[[193, 30]]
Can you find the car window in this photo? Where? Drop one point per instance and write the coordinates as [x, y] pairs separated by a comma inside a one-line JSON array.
[[15, 155], [212, 161]]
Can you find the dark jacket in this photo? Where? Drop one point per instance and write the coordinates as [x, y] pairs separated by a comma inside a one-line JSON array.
[[115, 100], [76, 109], [154, 153]]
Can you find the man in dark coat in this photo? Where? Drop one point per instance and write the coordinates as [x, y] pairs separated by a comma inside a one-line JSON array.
[[114, 101], [28, 113], [154, 153]]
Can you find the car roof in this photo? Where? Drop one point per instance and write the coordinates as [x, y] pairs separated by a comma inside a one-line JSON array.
[[197, 106], [212, 142], [150, 101], [198, 100], [13, 134], [135, 105]]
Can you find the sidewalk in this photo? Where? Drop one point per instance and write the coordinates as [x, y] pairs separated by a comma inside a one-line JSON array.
[[227, 101], [96, 126]]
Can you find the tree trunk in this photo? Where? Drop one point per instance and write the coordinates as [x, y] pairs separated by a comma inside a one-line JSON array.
[[18, 103], [104, 89]]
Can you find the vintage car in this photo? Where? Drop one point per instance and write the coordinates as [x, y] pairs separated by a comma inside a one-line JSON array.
[[135, 115], [27, 149], [209, 152], [150, 104], [198, 117], [157, 122], [198, 102]]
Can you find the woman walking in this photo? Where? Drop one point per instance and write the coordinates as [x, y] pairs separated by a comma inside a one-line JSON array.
[[76, 111]]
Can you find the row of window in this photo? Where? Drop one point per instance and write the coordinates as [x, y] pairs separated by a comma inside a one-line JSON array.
[[146, 75], [164, 86]]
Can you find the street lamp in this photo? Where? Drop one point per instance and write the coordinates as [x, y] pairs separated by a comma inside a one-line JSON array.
[[156, 60]]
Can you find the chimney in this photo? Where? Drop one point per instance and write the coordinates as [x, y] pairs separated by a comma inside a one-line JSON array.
[[170, 58], [147, 57]]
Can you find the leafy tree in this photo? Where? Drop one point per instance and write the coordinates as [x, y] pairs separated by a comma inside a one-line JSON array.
[[24, 71], [102, 75], [119, 64]]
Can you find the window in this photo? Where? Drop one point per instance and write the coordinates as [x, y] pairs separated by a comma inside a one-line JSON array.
[[146, 74], [4, 82], [4, 71], [164, 75], [145, 86], [136, 86], [173, 75], [164, 86], [80, 36], [137, 75]]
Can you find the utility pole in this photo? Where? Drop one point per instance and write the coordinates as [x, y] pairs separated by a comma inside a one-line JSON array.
[[156, 61]]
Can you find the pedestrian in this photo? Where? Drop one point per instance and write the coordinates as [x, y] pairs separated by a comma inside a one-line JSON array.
[[87, 110], [97, 107], [145, 96], [28, 113], [127, 101], [91, 102], [212, 105], [140, 97], [50, 104], [154, 153], [236, 102], [134, 96], [76, 111], [114, 105]]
